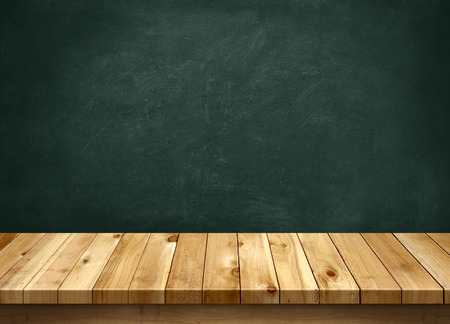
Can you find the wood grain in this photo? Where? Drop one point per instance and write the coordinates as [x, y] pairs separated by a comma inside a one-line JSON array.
[[112, 286], [224, 268], [259, 283], [223, 314], [296, 280], [418, 287], [221, 276], [18, 277], [16, 250], [443, 239], [376, 284], [185, 281], [43, 288], [78, 285], [335, 281], [6, 238], [149, 283], [431, 256]]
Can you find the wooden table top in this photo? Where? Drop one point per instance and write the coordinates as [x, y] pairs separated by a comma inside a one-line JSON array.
[[247, 268]]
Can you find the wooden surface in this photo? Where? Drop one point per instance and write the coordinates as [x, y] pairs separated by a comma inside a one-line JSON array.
[[77, 287], [258, 277], [418, 286], [245, 268], [112, 285], [149, 282], [221, 277], [336, 283], [442, 239], [430, 256], [294, 274], [184, 285], [224, 314], [376, 283]]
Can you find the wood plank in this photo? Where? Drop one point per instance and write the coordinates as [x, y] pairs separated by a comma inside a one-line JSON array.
[[78, 285], [221, 277], [376, 283], [6, 238], [201, 314], [418, 287], [259, 283], [112, 286], [185, 281], [16, 279], [296, 280], [443, 239], [149, 283], [16, 250], [43, 288], [431, 256], [336, 284]]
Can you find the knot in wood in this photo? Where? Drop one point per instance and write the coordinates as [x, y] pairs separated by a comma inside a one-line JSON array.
[[271, 289], [173, 238]]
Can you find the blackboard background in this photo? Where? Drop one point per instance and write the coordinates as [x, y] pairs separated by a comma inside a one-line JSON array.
[[148, 116]]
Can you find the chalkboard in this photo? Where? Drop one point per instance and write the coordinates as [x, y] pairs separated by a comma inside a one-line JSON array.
[[225, 116]]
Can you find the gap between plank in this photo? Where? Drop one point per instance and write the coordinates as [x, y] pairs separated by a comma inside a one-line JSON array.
[[309, 264], [137, 266], [443, 289], [437, 243], [170, 270], [401, 288], [275, 268], [345, 263]]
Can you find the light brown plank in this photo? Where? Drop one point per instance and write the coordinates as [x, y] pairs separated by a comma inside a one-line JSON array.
[[432, 257], [78, 285], [376, 284], [443, 239], [418, 287], [259, 283], [112, 286], [184, 285], [149, 283], [223, 314], [16, 250], [296, 280], [6, 238], [221, 277], [16, 279], [43, 288], [336, 284]]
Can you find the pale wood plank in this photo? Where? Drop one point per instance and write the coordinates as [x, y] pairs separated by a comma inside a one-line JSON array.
[[6, 238], [336, 284], [184, 285], [112, 286], [221, 277], [16, 279], [443, 239], [78, 285], [43, 288], [418, 287], [376, 283], [223, 314], [296, 280], [432, 257], [16, 250], [259, 283], [149, 283]]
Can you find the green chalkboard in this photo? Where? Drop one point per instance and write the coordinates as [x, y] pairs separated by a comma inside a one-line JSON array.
[[224, 116]]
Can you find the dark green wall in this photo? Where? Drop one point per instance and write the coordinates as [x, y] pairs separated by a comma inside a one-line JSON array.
[[150, 116]]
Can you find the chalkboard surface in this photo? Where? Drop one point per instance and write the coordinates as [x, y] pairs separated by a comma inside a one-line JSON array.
[[225, 116]]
